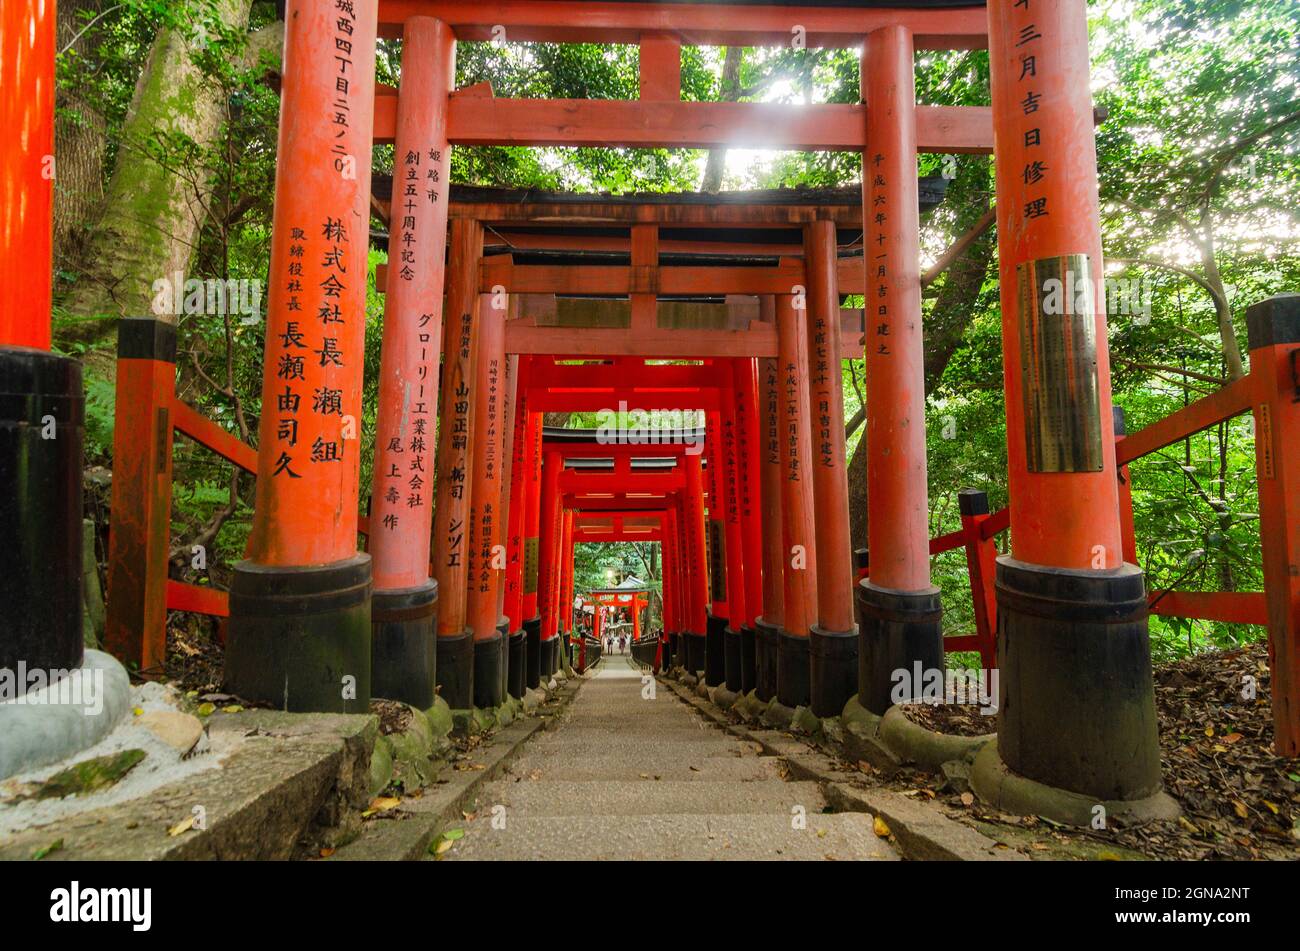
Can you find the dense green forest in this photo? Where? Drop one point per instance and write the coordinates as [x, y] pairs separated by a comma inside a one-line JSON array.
[[166, 142]]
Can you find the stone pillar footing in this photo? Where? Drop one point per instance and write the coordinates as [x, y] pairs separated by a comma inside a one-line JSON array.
[[715, 651], [694, 652], [299, 638], [403, 652], [832, 670], [1076, 705], [533, 658], [748, 659], [42, 409], [1012, 793], [767, 645], [517, 650], [488, 657], [731, 658], [792, 685], [456, 661], [503, 632], [898, 630]]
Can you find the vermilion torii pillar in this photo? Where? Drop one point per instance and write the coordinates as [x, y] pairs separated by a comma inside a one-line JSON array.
[[747, 450], [729, 503], [833, 641], [513, 634], [41, 400], [452, 532], [532, 549], [1077, 725], [799, 555], [548, 545], [719, 592], [768, 626], [566, 588], [405, 602], [487, 552], [521, 472], [299, 633], [696, 621], [898, 608]]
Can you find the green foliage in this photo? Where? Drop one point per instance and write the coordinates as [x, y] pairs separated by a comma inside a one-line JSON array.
[[1200, 185]]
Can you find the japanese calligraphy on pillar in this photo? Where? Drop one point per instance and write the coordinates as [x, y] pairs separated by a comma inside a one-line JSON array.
[[878, 259], [792, 416], [1056, 300]]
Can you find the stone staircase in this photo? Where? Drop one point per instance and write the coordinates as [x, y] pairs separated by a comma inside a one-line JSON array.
[[629, 777]]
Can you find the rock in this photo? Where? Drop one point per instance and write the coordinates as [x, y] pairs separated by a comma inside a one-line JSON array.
[[381, 766], [701, 690], [833, 729], [724, 698], [956, 776], [805, 721], [439, 717], [688, 679], [180, 731], [777, 715], [533, 698], [412, 749], [466, 722]]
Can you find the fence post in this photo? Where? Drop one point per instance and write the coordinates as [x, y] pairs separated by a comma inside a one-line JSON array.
[[1128, 535], [1273, 326], [981, 564], [140, 529]]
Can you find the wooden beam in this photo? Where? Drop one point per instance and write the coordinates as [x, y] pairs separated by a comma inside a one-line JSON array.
[[836, 127], [694, 24], [1232, 400], [614, 280]]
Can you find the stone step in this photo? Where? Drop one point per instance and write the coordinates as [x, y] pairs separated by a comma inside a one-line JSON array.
[[842, 837], [529, 799], [605, 768], [637, 749]]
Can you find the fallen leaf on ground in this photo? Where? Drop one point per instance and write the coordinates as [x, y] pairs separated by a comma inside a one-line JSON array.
[[185, 825], [880, 827]]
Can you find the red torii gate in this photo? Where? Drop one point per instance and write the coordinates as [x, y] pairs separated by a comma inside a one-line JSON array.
[[300, 629]]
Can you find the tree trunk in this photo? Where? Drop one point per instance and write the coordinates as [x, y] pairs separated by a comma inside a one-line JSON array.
[[151, 215], [80, 137], [730, 92]]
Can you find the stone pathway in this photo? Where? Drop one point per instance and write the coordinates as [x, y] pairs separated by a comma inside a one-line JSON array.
[[628, 777]]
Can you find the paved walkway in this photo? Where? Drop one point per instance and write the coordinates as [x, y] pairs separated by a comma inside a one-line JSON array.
[[626, 776]]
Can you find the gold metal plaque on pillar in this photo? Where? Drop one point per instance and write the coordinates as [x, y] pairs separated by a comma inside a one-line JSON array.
[[530, 565], [1058, 364]]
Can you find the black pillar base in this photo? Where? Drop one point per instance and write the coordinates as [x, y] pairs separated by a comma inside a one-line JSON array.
[[550, 657], [403, 652], [1076, 707], [299, 638], [503, 629], [456, 662], [714, 651], [40, 511], [767, 646], [748, 659], [731, 658], [487, 690], [832, 670], [694, 652], [533, 659], [516, 678], [792, 675], [900, 631]]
